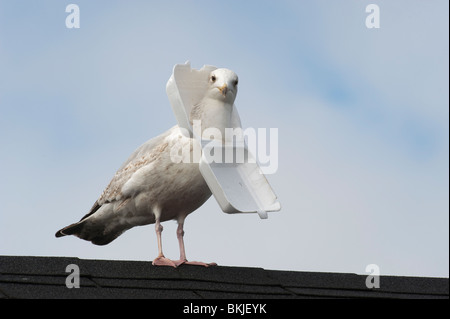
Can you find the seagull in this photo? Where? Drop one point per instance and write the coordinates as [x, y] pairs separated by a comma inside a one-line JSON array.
[[150, 188]]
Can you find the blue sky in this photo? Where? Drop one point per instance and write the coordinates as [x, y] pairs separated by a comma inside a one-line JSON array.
[[362, 117]]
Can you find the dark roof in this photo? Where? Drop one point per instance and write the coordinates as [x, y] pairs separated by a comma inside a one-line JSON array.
[[45, 277]]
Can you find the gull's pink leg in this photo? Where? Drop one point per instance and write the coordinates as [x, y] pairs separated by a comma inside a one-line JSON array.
[[180, 234], [183, 260], [161, 260]]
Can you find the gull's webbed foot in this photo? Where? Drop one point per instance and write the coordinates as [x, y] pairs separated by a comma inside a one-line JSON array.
[[163, 261]]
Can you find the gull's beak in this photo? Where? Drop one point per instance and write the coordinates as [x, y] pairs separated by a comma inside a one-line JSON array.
[[223, 89]]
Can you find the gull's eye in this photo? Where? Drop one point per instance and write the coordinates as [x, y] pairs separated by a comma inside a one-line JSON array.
[[236, 82], [213, 78]]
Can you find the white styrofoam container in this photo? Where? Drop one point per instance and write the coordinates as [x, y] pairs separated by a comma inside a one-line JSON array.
[[239, 186]]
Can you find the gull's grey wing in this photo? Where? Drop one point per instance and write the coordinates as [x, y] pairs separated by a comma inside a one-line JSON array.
[[143, 155]]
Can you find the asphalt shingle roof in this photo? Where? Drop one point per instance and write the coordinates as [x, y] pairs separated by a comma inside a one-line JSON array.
[[45, 277]]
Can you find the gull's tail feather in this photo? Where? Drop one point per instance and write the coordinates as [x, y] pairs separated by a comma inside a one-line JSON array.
[[72, 229], [92, 231], [94, 228], [75, 228]]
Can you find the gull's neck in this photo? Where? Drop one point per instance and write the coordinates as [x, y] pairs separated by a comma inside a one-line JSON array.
[[212, 113]]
